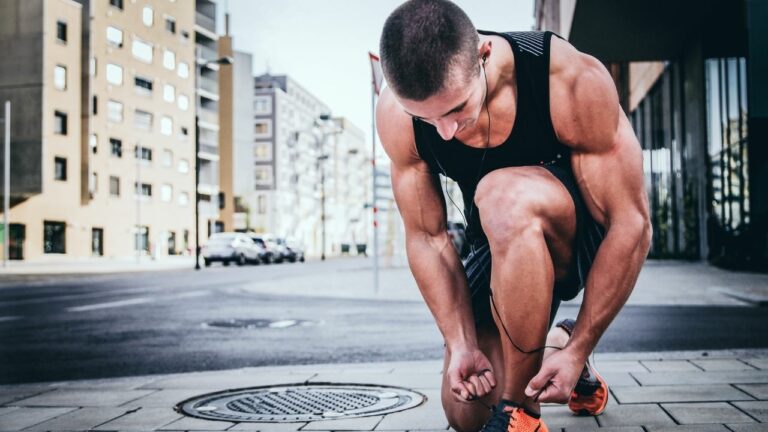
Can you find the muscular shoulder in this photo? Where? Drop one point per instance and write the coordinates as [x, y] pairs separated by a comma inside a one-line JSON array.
[[395, 130], [584, 103]]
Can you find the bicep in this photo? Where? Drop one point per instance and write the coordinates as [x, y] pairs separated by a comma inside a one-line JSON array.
[[419, 199]]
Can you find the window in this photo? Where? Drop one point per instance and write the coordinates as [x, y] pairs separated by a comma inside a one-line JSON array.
[[147, 16], [262, 128], [115, 36], [184, 131], [94, 105], [170, 24], [262, 204], [60, 168], [92, 67], [142, 120], [142, 85], [114, 111], [169, 59], [116, 147], [54, 237], [166, 192], [93, 142], [116, 3], [114, 74], [166, 125], [114, 186], [93, 183], [97, 241], [60, 77], [61, 31], [141, 239], [183, 166], [169, 93], [60, 123], [262, 151], [262, 105], [167, 158], [183, 70], [143, 189], [263, 175], [142, 50], [183, 199], [144, 153], [183, 102]]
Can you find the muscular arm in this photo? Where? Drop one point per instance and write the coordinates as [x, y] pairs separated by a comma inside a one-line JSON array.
[[433, 260], [607, 162]]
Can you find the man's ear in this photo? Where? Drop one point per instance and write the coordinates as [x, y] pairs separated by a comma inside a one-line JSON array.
[[484, 50]]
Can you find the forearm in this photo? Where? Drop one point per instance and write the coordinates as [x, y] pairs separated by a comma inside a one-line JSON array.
[[610, 282], [436, 266]]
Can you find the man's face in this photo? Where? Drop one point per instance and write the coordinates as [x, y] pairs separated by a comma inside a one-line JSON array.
[[455, 108]]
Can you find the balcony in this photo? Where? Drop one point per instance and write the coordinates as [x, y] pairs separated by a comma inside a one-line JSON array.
[[205, 54], [205, 22], [210, 85], [208, 116]]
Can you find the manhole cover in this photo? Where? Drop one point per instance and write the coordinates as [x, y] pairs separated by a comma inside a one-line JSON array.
[[260, 323], [300, 403]]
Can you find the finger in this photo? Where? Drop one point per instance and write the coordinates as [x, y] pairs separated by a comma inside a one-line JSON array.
[[488, 374], [484, 384], [553, 394], [538, 382], [470, 385], [461, 393]]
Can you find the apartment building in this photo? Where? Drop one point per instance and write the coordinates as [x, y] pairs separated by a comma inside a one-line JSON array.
[[103, 123], [690, 78]]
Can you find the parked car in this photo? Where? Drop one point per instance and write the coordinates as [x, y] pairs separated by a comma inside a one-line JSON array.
[[458, 235], [268, 251], [230, 247], [294, 251]]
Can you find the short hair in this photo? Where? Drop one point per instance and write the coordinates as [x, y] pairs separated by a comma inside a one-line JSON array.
[[420, 43]]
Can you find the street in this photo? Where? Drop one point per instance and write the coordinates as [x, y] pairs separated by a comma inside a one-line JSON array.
[[100, 326]]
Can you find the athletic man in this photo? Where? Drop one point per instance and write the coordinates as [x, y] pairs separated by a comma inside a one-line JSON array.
[[551, 173]]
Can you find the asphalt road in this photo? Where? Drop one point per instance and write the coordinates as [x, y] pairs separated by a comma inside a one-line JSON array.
[[78, 327]]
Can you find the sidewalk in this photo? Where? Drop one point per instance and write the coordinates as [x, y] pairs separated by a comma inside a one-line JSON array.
[[97, 265], [683, 391]]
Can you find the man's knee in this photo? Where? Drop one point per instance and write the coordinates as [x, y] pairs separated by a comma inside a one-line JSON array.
[[510, 208]]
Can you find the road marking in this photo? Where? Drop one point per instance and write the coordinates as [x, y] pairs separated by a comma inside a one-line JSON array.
[[9, 318], [114, 304], [188, 295]]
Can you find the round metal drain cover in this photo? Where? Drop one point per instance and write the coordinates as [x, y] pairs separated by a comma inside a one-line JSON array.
[[259, 323], [300, 403]]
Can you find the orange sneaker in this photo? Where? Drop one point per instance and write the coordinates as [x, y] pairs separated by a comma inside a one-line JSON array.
[[507, 416], [590, 396]]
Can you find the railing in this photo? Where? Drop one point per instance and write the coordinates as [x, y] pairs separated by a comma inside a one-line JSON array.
[[209, 85], [206, 54], [208, 116], [205, 21]]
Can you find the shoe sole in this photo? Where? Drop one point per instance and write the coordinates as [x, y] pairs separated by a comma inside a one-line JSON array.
[[604, 386]]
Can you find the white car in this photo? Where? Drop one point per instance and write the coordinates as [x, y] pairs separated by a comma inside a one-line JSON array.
[[230, 247]]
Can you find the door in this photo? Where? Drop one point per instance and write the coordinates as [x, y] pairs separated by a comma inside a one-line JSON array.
[[171, 243], [18, 233], [97, 241]]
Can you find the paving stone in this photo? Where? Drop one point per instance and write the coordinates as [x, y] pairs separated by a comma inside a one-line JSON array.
[[353, 424], [693, 378], [760, 363], [142, 420], [721, 365], [634, 415], [11, 394], [126, 383], [696, 393], [25, 417], [165, 398], [268, 427], [757, 409], [429, 415], [84, 398], [716, 412], [758, 391], [689, 428], [747, 427], [410, 380], [82, 419], [670, 366], [607, 429], [603, 366], [6, 410], [559, 416], [618, 379], [214, 382], [190, 423]]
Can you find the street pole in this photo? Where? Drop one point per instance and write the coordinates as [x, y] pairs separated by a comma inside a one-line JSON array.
[[197, 192], [321, 161], [375, 196], [6, 182], [138, 191]]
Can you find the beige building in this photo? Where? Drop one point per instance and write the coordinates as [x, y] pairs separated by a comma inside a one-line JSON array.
[[103, 126]]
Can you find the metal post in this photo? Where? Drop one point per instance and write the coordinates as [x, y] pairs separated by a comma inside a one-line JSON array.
[[138, 191], [197, 192], [6, 182], [375, 196], [321, 160]]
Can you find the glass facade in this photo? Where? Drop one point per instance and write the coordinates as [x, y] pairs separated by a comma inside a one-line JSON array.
[[658, 123], [727, 162]]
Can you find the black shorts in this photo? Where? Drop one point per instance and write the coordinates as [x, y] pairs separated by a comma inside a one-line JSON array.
[[589, 235]]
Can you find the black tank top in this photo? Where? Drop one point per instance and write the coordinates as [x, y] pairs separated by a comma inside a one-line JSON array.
[[531, 142]]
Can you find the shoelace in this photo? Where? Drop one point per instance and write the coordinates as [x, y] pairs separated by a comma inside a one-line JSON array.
[[500, 420]]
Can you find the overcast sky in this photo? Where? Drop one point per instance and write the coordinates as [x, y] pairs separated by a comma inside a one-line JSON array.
[[324, 44]]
